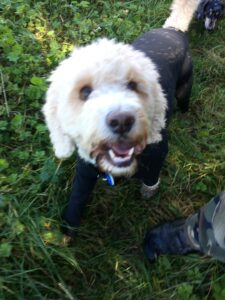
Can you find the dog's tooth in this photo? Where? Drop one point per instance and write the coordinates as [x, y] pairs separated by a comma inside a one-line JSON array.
[[119, 159], [131, 152], [111, 154]]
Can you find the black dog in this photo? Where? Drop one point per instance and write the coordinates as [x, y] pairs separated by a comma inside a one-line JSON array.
[[113, 102], [210, 11], [175, 69]]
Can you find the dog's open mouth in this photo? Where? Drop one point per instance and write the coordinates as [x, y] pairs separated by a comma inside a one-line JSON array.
[[121, 154]]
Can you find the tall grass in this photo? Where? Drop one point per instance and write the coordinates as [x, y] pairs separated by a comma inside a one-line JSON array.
[[106, 261]]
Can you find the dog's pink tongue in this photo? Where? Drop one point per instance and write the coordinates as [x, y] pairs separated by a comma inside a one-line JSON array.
[[122, 149]]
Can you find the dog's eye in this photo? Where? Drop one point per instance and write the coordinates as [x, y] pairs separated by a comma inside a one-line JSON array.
[[85, 92], [132, 85]]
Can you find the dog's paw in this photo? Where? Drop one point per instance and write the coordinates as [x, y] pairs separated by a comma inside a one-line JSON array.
[[68, 241], [69, 234], [149, 191]]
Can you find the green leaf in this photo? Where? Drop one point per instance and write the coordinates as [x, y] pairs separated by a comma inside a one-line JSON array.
[[38, 81], [3, 125], [185, 291], [5, 249], [3, 164], [84, 4], [17, 121], [15, 54], [200, 186], [41, 128], [17, 227]]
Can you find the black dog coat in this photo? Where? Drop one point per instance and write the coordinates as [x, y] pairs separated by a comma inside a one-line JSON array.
[[168, 49]]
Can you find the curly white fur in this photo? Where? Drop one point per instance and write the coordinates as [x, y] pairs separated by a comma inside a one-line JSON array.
[[107, 67]]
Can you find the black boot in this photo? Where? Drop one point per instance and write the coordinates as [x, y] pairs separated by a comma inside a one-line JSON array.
[[168, 238]]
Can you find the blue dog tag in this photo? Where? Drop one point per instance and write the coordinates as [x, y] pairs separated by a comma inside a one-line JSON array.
[[109, 179]]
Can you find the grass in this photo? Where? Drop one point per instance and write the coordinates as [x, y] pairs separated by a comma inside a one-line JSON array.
[[107, 260]]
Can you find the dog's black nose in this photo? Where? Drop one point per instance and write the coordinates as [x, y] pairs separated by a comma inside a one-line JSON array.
[[120, 122]]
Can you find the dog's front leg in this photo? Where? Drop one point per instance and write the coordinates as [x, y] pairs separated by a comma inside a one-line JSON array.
[[150, 165], [84, 182]]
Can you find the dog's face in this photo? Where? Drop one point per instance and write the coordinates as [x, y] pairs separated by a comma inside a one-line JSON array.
[[212, 12], [106, 101]]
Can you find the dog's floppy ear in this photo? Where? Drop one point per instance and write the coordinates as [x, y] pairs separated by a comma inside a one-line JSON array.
[[62, 143], [200, 13]]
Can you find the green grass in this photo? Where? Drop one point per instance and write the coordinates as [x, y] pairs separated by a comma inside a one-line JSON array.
[[107, 261]]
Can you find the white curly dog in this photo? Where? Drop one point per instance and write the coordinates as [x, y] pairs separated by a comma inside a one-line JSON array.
[[112, 101]]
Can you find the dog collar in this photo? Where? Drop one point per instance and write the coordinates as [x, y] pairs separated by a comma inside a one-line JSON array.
[[108, 178]]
